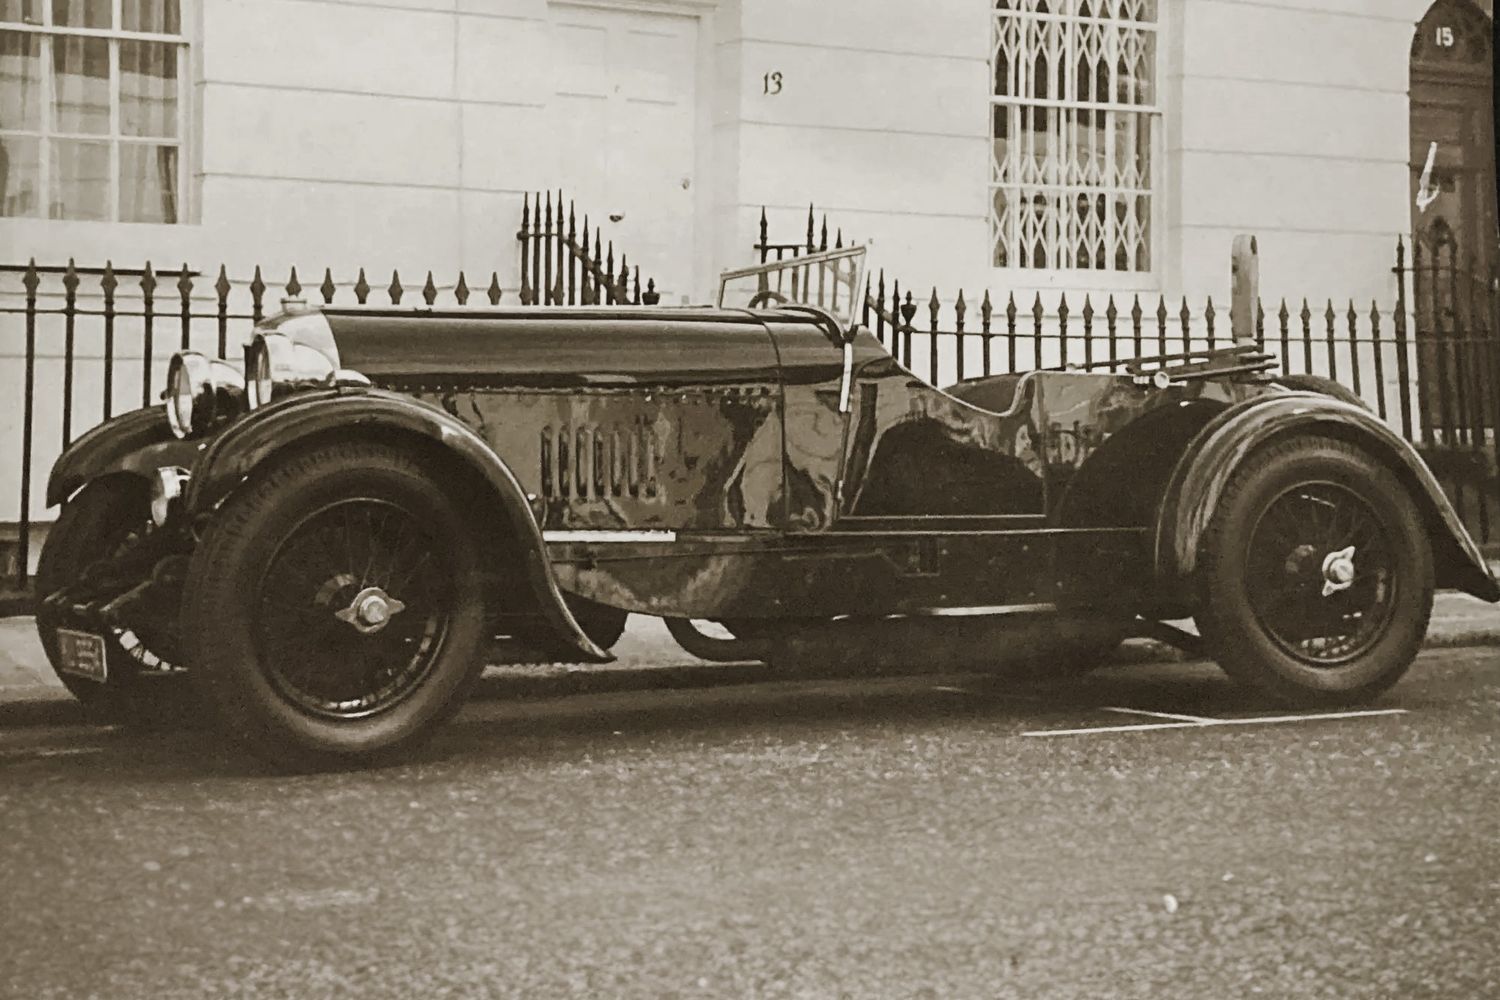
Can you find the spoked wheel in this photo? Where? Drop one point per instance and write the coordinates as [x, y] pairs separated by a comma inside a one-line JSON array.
[[335, 613], [1320, 573], [335, 639], [143, 682], [1317, 577]]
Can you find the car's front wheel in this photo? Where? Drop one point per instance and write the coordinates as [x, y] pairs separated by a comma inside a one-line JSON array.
[[335, 612], [1315, 574]]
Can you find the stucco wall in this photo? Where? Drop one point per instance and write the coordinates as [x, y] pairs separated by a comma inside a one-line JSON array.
[[387, 135], [401, 134]]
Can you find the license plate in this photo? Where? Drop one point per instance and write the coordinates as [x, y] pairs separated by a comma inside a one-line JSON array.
[[82, 655]]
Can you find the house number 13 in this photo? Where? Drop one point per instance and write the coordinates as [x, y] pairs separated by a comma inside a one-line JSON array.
[[771, 83]]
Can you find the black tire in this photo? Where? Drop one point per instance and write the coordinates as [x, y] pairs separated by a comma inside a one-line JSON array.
[[1326, 386], [293, 681], [748, 640], [105, 516], [1271, 553]]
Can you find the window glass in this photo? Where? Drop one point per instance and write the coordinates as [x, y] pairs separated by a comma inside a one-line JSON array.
[[1073, 95], [91, 118], [22, 11], [148, 182], [20, 180], [157, 17], [20, 80], [80, 84], [83, 13], [80, 180], [148, 89]]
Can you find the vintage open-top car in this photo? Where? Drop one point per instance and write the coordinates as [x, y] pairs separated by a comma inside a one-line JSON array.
[[325, 546]]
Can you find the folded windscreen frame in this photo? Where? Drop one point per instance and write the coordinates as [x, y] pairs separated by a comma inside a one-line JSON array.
[[833, 281]]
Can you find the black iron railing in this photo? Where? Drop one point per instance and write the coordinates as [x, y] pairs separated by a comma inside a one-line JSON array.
[[1429, 365], [559, 267], [96, 341]]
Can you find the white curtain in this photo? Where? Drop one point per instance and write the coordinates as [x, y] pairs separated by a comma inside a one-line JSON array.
[[79, 155], [145, 90], [20, 108], [148, 110]]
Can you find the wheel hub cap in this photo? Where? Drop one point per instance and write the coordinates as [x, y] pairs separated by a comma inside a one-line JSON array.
[[1338, 571], [371, 610]]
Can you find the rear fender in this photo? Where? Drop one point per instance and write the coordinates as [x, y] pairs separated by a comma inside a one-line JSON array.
[[246, 444], [137, 443], [1203, 471]]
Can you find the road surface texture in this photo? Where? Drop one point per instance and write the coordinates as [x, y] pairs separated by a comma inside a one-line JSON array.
[[924, 836]]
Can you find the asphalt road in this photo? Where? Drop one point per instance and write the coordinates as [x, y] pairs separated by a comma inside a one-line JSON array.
[[902, 837]]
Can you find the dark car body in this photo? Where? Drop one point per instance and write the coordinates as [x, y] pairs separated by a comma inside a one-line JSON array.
[[763, 467]]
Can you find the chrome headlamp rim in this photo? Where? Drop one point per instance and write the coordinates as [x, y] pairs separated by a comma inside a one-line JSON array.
[[187, 374], [201, 392], [276, 364]]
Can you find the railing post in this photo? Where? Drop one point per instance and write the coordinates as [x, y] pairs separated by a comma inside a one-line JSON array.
[[1062, 330], [1379, 357], [545, 275], [932, 332], [1244, 288], [28, 410], [108, 283], [986, 317], [185, 291], [521, 247], [1354, 380], [1088, 333], [257, 296], [959, 308], [70, 314], [148, 287]]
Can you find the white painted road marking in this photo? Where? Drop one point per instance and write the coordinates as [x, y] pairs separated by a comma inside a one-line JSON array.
[[1263, 720], [48, 752], [1160, 715]]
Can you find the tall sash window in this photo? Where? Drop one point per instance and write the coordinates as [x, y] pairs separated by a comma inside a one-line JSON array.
[[1074, 113], [92, 109]]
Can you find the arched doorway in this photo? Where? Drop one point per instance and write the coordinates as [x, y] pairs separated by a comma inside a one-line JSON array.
[[1453, 218]]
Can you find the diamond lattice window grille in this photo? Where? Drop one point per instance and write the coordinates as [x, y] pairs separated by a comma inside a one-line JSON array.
[[1074, 113]]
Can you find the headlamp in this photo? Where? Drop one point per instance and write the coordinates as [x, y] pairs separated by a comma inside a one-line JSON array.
[[201, 393], [276, 365]]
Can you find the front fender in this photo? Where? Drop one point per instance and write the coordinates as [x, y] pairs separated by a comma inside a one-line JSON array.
[[137, 442], [1205, 468], [244, 445]]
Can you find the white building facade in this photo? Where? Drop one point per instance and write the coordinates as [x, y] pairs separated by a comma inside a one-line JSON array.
[[1014, 146]]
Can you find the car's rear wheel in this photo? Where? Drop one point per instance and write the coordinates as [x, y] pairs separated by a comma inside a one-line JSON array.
[[1315, 574], [142, 685], [335, 611]]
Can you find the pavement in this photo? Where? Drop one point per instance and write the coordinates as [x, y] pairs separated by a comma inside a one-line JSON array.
[[647, 657], [941, 837]]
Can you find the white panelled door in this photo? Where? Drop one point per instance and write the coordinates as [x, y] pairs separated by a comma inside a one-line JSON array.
[[622, 123]]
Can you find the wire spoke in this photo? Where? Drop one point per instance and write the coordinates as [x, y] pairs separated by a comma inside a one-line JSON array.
[[349, 669]]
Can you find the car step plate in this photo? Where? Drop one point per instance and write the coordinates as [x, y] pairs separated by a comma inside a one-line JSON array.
[[81, 654]]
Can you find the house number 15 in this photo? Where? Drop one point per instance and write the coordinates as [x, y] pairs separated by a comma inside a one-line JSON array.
[[771, 83], [1444, 35]]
